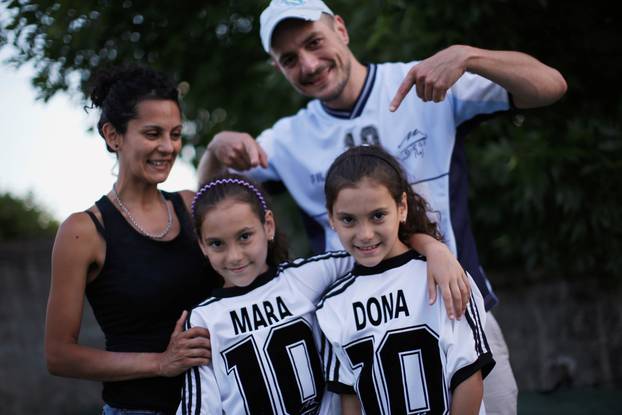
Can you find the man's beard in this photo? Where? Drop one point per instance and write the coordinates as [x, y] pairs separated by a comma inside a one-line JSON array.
[[339, 88]]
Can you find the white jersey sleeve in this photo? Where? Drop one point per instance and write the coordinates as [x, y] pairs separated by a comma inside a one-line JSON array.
[[200, 393], [317, 273], [464, 342], [473, 95], [340, 378]]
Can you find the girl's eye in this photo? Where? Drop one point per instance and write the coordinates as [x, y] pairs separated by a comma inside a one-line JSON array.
[[214, 243], [378, 216], [245, 236], [152, 134], [347, 220]]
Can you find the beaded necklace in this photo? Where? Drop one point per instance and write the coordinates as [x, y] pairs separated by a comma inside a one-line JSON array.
[[125, 210]]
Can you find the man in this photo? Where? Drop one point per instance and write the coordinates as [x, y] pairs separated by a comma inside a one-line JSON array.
[[356, 104]]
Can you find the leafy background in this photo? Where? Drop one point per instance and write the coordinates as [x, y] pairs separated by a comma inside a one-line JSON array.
[[545, 183]]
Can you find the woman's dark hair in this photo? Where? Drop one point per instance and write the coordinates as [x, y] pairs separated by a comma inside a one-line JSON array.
[[241, 189], [375, 163], [117, 92]]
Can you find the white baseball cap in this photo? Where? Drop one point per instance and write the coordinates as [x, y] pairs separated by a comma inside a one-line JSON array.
[[279, 10]]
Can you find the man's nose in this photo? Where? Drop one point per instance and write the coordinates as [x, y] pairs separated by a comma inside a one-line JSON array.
[[309, 63]]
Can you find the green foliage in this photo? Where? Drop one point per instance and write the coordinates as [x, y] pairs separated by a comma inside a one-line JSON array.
[[544, 183], [24, 219]]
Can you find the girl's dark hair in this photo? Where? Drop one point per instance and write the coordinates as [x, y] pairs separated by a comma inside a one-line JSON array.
[[375, 163], [117, 92], [241, 189]]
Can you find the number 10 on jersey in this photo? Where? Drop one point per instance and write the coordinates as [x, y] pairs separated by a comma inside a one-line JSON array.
[[283, 376]]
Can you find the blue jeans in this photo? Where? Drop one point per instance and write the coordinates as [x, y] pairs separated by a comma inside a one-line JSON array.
[[109, 410]]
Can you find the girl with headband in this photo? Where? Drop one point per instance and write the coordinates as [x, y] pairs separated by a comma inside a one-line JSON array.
[[396, 353], [264, 336]]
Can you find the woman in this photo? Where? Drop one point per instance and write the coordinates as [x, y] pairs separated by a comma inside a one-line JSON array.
[[134, 256]]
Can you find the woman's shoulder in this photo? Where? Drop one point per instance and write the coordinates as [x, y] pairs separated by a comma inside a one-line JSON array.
[[82, 220], [79, 232]]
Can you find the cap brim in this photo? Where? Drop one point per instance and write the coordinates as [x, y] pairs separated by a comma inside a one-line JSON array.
[[299, 13]]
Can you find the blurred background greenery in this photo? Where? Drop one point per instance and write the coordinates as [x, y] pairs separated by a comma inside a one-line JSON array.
[[545, 183]]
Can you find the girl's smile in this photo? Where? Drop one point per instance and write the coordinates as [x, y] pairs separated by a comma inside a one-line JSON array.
[[236, 242], [367, 220]]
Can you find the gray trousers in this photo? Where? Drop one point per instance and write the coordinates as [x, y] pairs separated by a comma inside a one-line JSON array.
[[500, 389]]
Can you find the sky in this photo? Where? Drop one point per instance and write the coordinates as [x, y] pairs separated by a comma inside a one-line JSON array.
[[47, 151]]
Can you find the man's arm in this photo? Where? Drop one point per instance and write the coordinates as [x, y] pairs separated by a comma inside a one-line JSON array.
[[531, 83], [230, 149]]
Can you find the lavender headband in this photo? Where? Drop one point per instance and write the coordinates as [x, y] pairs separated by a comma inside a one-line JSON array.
[[214, 183]]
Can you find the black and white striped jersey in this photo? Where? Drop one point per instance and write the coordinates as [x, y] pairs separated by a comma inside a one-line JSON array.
[[400, 354], [265, 343]]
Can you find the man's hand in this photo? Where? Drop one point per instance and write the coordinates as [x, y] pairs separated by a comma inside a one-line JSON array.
[[185, 349], [237, 150], [231, 149], [433, 76]]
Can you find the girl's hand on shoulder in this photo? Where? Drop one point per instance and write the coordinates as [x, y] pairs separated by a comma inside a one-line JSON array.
[[445, 271], [185, 349]]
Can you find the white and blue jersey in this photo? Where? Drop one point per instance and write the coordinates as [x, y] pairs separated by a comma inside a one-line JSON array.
[[266, 348], [400, 354], [426, 137]]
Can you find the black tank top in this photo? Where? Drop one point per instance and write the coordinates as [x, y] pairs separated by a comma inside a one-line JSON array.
[[142, 289]]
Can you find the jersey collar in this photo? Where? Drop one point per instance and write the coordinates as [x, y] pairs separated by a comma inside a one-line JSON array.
[[262, 279], [387, 264], [359, 105]]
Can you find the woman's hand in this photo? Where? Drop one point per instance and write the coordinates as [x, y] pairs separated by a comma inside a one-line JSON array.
[[185, 349]]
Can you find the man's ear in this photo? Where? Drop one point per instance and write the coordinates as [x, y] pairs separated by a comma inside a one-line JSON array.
[[341, 29]]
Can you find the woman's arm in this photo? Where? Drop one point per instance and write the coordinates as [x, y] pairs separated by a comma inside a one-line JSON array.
[[77, 248], [445, 271], [467, 397]]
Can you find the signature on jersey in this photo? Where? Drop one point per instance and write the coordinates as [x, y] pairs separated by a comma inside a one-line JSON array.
[[413, 143]]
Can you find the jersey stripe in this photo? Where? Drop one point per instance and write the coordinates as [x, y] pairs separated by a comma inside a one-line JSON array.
[[208, 301], [481, 329], [183, 394], [475, 322], [337, 288], [302, 261], [188, 384], [197, 378], [327, 357]]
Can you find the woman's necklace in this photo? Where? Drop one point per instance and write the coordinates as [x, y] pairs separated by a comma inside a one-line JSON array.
[[125, 210]]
